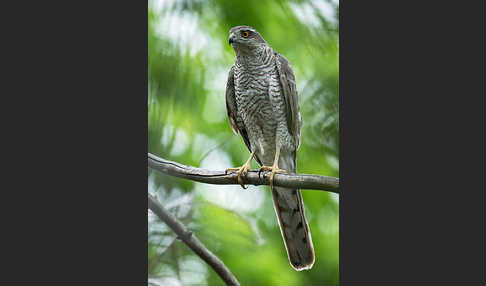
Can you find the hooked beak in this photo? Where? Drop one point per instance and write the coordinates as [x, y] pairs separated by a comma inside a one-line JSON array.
[[232, 38]]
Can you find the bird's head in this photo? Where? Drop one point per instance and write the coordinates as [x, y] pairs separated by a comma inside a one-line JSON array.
[[245, 39]]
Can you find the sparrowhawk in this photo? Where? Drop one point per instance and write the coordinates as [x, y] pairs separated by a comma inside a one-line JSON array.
[[262, 106]]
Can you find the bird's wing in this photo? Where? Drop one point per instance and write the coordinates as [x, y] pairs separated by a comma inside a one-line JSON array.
[[231, 101], [231, 108], [287, 79]]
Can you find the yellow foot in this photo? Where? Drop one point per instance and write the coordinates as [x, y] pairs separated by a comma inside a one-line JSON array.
[[243, 170], [274, 169], [232, 170]]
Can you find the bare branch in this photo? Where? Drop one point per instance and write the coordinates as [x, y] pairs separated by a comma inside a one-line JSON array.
[[192, 241], [296, 181]]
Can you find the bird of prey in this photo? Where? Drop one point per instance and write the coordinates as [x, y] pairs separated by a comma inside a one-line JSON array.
[[262, 106]]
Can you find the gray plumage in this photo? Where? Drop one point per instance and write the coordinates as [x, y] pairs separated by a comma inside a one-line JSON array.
[[262, 106]]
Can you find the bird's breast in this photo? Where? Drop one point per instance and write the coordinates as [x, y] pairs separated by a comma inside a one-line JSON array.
[[257, 94]]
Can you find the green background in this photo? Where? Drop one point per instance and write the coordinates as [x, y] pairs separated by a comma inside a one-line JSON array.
[[189, 59]]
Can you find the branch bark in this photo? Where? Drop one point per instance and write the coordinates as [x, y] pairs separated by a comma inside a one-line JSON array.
[[192, 241], [296, 181]]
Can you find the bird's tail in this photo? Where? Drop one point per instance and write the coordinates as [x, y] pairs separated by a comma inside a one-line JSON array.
[[289, 207]]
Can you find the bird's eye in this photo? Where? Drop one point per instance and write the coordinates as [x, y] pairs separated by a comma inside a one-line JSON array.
[[244, 34]]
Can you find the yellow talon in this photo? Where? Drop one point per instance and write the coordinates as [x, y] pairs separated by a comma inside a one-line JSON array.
[[274, 169], [242, 170], [231, 170]]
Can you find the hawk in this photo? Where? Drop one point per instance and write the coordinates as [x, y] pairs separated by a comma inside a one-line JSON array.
[[262, 106]]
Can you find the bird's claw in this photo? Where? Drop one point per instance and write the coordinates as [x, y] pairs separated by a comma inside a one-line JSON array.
[[243, 170], [231, 170], [274, 169]]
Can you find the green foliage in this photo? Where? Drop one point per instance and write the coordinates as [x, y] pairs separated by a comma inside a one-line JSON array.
[[188, 59]]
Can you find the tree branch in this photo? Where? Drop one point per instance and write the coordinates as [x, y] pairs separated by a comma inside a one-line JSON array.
[[295, 181], [192, 241]]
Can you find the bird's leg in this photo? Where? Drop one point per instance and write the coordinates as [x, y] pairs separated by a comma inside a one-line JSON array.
[[242, 170], [274, 168]]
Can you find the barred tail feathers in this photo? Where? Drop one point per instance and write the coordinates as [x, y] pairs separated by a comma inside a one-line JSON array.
[[294, 227]]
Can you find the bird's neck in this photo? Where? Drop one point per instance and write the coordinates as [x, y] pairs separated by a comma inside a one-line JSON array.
[[251, 56]]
